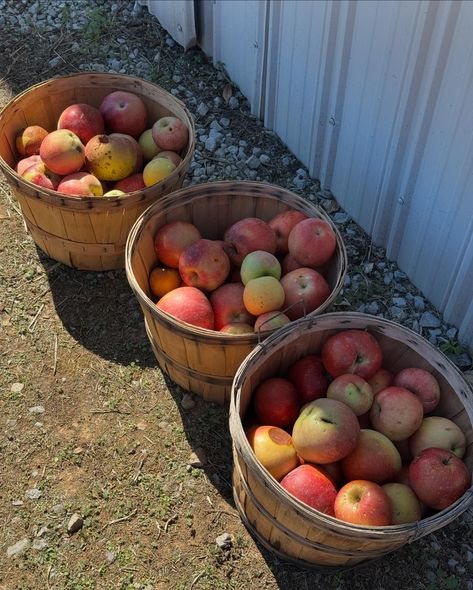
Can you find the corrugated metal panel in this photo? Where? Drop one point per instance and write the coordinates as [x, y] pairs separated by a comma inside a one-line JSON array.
[[239, 44], [177, 17]]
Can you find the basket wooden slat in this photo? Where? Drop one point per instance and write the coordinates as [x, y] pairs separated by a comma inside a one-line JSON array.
[[84, 232], [198, 360], [290, 528]]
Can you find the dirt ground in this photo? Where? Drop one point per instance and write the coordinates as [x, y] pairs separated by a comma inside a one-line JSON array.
[[90, 425]]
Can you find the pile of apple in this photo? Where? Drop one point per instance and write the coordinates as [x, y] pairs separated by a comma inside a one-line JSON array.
[[259, 276], [104, 151], [353, 440]]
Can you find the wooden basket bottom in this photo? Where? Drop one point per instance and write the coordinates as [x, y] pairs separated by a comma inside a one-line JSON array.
[[287, 545], [76, 254], [210, 387]]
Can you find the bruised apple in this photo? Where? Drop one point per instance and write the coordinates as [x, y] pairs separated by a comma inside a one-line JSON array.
[[274, 449], [29, 140], [275, 402], [113, 157], [204, 264], [325, 431], [62, 152], [190, 305], [439, 432], [172, 239], [156, 170], [130, 183], [262, 295], [313, 486]]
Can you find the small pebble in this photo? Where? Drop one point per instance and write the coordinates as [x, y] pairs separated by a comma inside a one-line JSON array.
[[187, 402], [224, 541], [19, 548], [197, 458], [33, 494], [75, 523]]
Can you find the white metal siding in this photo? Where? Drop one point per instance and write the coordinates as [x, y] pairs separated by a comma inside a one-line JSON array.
[[177, 17]]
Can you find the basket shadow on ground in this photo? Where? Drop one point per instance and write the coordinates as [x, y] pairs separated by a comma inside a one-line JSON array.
[[100, 311]]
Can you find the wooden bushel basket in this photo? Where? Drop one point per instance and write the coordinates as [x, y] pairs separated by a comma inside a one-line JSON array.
[[205, 361], [84, 232], [288, 527]]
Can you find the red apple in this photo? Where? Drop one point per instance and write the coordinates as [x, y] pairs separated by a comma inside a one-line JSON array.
[[305, 290], [374, 458], [81, 184], [259, 264], [312, 486], [352, 351], [352, 390], [282, 225], [204, 264], [404, 503], [131, 183], [312, 242], [438, 477], [275, 402], [307, 374], [124, 112], [422, 383], [271, 320], [438, 432], [82, 119], [62, 152], [247, 235], [170, 134], [274, 449], [380, 380], [396, 412], [364, 503], [190, 305], [325, 431], [172, 239], [228, 306]]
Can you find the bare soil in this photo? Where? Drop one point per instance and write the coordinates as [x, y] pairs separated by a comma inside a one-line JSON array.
[[114, 442]]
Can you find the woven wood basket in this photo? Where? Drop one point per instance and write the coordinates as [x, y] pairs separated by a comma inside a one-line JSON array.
[[204, 361], [84, 232], [291, 529]]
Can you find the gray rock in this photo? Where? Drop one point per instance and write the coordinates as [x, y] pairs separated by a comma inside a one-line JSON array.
[[19, 548], [451, 333], [372, 308], [33, 494], [419, 303], [397, 313], [225, 122], [224, 541], [198, 458], [39, 544], [187, 402], [75, 523], [253, 162], [211, 144], [341, 217], [388, 278], [368, 268], [17, 387], [264, 159], [233, 103], [399, 301], [36, 410], [428, 320]]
